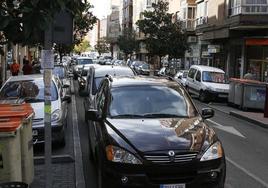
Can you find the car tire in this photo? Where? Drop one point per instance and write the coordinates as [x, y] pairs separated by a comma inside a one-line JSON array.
[[202, 96]]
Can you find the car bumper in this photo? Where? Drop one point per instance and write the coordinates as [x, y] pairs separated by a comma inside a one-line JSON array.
[[201, 178], [214, 94], [57, 132]]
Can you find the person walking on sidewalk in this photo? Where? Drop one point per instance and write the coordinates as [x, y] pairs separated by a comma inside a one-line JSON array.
[[27, 68], [14, 68]]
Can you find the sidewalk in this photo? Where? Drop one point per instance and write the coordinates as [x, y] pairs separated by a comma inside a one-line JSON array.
[[256, 118], [67, 169]]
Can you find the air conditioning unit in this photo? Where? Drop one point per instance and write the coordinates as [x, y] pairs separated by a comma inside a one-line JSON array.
[[192, 39]]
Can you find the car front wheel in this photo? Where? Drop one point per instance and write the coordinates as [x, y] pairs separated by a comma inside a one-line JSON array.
[[202, 96]]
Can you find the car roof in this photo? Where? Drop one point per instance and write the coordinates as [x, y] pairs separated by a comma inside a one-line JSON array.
[[143, 81], [207, 68], [26, 77], [112, 70], [84, 57]]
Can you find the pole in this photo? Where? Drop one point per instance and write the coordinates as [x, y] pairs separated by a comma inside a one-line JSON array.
[[47, 107], [266, 103]]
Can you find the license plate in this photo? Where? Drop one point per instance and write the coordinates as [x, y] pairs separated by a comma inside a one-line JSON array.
[[172, 186], [35, 132]]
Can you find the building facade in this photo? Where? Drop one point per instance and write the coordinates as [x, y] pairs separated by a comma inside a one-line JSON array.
[[236, 33]]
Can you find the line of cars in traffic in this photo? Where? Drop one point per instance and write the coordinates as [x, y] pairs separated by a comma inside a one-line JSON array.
[[147, 132]]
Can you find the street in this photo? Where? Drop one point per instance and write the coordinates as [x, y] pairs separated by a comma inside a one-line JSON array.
[[244, 144]]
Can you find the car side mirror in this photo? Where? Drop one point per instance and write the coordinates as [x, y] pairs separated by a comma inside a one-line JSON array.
[[65, 86], [93, 115], [207, 113], [67, 98]]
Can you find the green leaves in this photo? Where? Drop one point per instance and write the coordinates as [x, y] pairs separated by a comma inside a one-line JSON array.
[[163, 37], [127, 42], [102, 46]]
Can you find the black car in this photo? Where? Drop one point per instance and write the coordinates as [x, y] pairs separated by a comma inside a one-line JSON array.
[[146, 132], [97, 74]]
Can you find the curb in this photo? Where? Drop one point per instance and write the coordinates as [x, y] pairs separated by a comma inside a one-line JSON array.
[[54, 159], [256, 122], [234, 114], [79, 172], [72, 87]]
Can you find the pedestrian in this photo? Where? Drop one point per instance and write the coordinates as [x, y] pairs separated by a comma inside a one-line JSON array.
[[24, 60], [14, 68], [27, 68]]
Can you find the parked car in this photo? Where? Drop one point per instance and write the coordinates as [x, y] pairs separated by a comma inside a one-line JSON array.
[[207, 82], [181, 76], [135, 64], [96, 75], [148, 133], [80, 62], [144, 69], [31, 89], [82, 77]]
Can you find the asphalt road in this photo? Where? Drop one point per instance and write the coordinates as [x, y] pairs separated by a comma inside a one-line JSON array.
[[245, 146]]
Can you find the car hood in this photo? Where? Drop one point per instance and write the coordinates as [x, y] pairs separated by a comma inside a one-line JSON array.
[[217, 87], [39, 109], [147, 135]]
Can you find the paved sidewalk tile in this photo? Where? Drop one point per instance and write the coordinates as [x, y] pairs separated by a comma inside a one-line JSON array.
[[63, 176]]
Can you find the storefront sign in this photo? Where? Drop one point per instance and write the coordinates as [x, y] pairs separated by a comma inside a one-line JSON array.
[[256, 42], [212, 49]]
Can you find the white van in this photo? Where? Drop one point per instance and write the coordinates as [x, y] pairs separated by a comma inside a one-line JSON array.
[[207, 82]]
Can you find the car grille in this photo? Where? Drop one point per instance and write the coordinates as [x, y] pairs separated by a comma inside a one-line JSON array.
[[178, 158]]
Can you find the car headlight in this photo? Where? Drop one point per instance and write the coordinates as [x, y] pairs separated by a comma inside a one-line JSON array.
[[214, 152], [55, 115], [119, 155]]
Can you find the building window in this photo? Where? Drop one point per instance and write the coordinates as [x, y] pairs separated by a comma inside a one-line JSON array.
[[248, 7]]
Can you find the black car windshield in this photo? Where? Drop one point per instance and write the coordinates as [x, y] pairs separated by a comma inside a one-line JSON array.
[[215, 77], [84, 61], [145, 66], [30, 90], [151, 102]]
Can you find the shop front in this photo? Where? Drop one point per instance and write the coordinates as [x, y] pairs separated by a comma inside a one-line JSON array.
[[257, 58]]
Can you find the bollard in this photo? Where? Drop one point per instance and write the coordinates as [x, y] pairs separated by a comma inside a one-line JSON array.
[[266, 103]]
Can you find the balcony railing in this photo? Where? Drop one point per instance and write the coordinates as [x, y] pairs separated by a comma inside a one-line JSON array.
[[201, 20], [188, 24], [249, 9]]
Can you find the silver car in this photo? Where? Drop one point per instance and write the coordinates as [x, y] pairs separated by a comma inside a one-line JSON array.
[[181, 76], [31, 89], [80, 63]]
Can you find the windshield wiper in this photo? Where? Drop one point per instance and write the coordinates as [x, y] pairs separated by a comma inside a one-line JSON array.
[[31, 99], [161, 115], [128, 116]]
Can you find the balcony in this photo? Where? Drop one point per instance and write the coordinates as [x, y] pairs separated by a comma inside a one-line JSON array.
[[189, 24], [201, 20], [244, 17], [249, 9]]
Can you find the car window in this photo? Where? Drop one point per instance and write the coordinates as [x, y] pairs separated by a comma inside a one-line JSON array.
[[84, 61], [192, 73], [142, 100], [32, 90], [198, 76], [215, 77], [59, 71], [185, 74]]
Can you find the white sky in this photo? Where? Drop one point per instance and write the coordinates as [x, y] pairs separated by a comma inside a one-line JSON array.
[[100, 7]]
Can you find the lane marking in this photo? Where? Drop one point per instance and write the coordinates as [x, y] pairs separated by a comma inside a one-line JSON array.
[[228, 129], [263, 183]]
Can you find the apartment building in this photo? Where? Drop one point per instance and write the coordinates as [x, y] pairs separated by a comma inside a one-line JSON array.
[[127, 17], [234, 36]]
